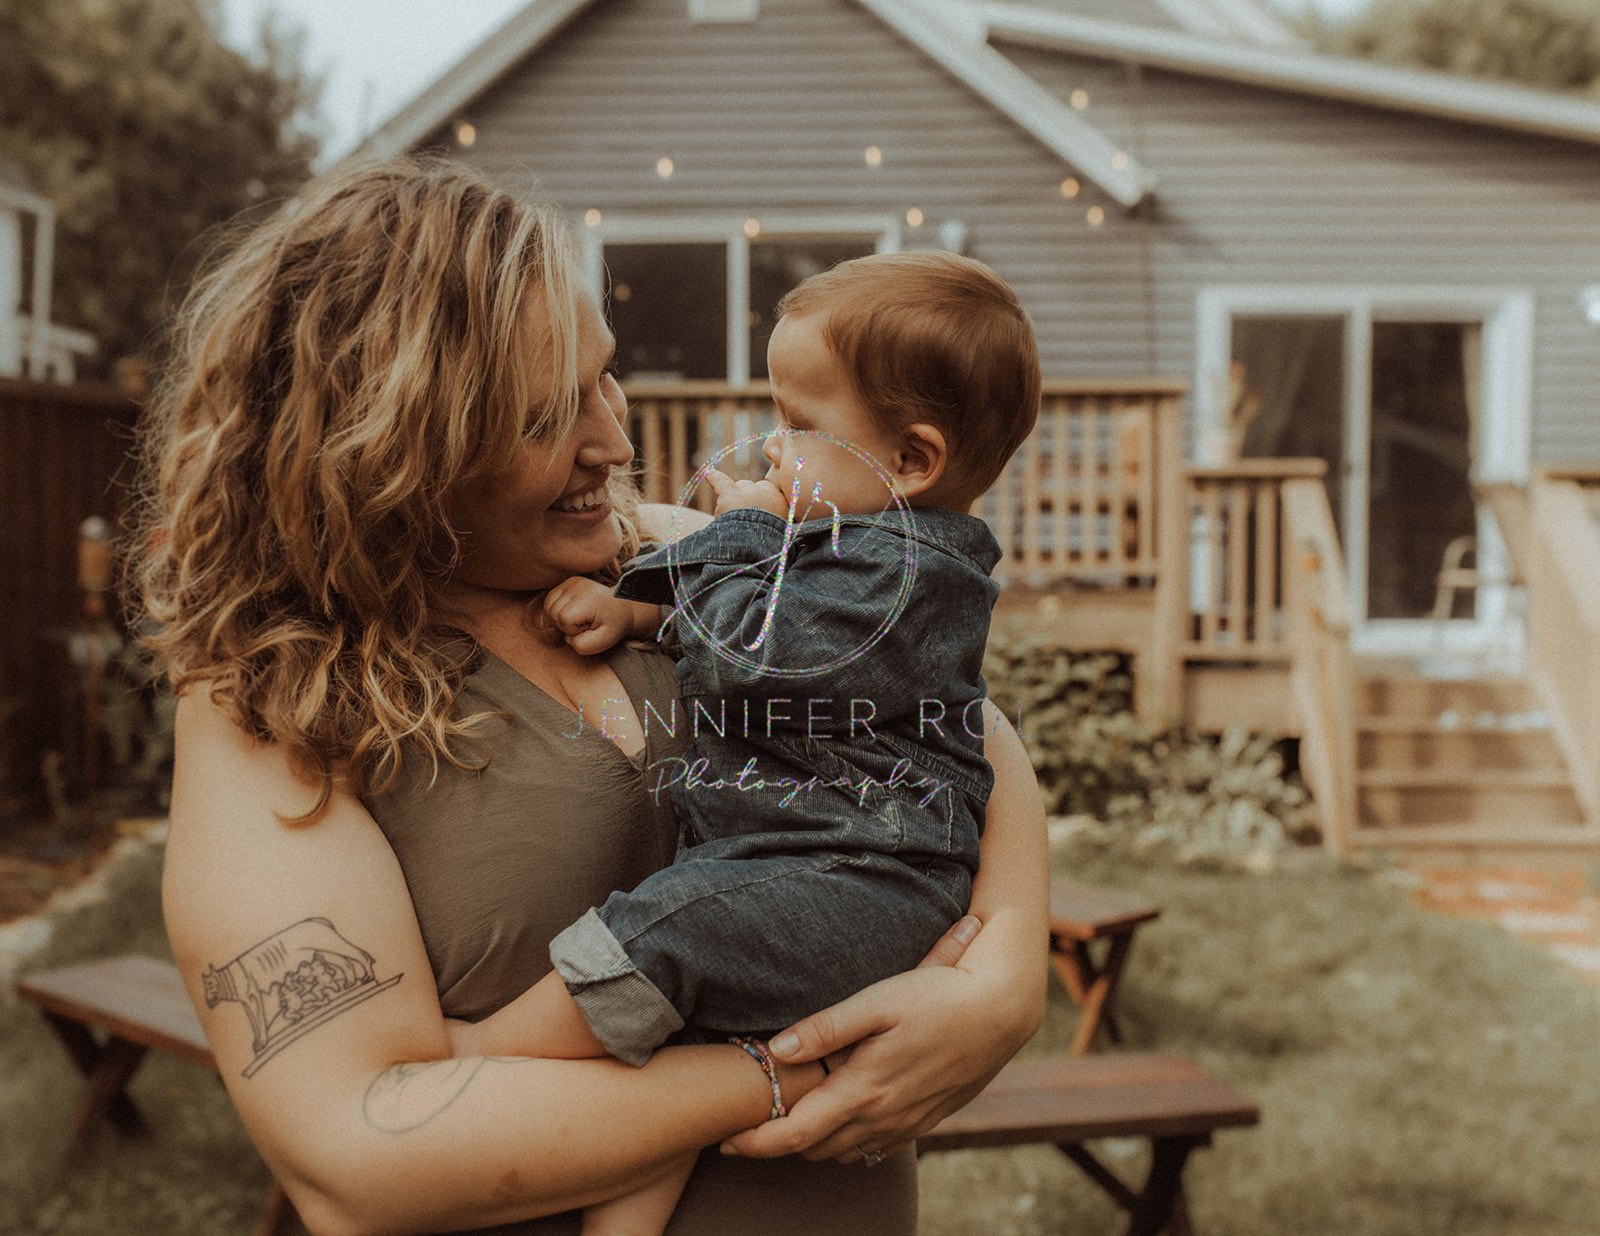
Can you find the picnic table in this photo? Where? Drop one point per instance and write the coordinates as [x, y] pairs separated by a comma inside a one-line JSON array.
[[1091, 935]]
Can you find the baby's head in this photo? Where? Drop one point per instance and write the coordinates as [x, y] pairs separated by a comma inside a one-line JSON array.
[[926, 361]]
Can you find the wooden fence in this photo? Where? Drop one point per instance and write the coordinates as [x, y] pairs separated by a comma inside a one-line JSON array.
[[63, 450]]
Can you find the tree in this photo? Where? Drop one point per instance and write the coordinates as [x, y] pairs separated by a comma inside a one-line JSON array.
[[146, 132], [1551, 44]]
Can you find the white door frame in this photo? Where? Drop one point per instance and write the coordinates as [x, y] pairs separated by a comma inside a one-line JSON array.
[[1504, 438]]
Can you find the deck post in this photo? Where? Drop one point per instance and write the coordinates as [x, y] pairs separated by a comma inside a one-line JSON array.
[[1158, 673]]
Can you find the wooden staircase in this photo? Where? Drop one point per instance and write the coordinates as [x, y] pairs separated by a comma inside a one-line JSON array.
[[1448, 764]]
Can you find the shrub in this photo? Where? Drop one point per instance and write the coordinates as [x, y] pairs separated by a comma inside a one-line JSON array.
[[1225, 798]]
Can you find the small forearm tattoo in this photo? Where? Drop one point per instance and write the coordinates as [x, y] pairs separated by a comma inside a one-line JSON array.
[[406, 1096], [293, 982]]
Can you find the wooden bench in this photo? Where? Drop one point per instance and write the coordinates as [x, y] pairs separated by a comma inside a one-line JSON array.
[[1068, 1101], [135, 1003], [1081, 916]]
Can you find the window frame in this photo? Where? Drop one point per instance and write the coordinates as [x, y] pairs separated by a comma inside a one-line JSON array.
[[638, 229]]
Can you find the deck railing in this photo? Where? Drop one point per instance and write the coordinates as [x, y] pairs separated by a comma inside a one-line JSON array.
[[1564, 618], [1322, 674], [1237, 598], [1080, 501]]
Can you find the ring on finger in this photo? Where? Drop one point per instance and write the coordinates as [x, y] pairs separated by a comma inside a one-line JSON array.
[[871, 1158]]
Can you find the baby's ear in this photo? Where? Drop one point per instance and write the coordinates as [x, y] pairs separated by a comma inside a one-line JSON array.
[[921, 459]]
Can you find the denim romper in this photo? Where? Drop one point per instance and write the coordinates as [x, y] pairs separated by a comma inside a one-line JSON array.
[[832, 796]]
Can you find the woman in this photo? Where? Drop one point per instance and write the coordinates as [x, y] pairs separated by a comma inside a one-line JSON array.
[[391, 426]]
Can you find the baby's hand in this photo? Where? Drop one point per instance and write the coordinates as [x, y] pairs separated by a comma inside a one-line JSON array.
[[735, 495], [588, 615]]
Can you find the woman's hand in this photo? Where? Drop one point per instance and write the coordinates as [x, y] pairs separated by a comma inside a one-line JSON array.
[[925, 1042], [922, 1044]]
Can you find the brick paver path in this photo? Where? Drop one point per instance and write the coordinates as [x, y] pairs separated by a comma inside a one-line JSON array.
[[1555, 909]]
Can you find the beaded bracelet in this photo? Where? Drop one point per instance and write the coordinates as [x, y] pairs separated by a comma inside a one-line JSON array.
[[759, 1053]]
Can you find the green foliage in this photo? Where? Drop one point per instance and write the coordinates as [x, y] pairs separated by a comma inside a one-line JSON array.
[[1200, 797], [146, 132], [1551, 44]]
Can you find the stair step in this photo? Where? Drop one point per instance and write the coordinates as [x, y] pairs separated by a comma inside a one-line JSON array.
[[1531, 722], [1469, 778], [1413, 695], [1481, 838], [1512, 798], [1424, 748]]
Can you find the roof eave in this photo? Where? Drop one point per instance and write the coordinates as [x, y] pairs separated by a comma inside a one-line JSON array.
[[951, 34], [1430, 93], [964, 52], [521, 34]]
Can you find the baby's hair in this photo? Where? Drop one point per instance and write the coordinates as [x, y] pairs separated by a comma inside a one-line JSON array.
[[937, 338]]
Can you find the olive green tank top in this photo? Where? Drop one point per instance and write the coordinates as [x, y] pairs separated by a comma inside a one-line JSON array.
[[498, 861]]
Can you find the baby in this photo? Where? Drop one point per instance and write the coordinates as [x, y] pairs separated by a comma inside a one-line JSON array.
[[830, 624]]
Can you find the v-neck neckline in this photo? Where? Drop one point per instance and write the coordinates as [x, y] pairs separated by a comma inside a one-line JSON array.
[[586, 727]]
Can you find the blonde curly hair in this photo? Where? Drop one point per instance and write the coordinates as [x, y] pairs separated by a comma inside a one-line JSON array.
[[333, 380]]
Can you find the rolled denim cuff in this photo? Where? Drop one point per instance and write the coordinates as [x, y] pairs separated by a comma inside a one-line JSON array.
[[626, 1011]]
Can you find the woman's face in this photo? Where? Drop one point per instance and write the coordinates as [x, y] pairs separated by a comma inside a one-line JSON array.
[[545, 516]]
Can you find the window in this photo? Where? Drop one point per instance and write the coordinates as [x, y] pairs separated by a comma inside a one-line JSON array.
[[696, 299], [669, 309]]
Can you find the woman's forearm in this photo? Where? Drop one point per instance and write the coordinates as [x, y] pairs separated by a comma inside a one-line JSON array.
[[476, 1141]]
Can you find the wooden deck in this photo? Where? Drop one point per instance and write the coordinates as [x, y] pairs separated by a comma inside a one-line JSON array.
[[1226, 585]]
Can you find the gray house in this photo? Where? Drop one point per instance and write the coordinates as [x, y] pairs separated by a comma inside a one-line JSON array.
[[1396, 271], [1390, 271]]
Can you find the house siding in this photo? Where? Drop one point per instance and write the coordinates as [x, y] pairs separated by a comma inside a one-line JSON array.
[[1265, 187], [1255, 186]]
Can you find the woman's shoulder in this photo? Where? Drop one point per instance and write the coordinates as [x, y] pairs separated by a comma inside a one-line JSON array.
[[216, 760], [662, 521]]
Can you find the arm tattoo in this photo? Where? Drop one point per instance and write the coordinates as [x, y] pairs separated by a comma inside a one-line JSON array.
[[292, 982], [406, 1096]]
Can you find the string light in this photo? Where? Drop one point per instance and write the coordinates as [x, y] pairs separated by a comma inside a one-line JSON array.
[[1119, 160], [622, 292], [592, 217], [665, 167], [1080, 98], [874, 156], [1070, 187], [1096, 216], [914, 217], [752, 228], [466, 133]]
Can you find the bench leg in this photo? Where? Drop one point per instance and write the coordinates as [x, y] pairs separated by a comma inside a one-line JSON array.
[[1163, 1187], [1160, 1205], [1093, 986], [107, 1069]]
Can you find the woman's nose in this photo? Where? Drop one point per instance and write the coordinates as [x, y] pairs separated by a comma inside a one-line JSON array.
[[605, 438]]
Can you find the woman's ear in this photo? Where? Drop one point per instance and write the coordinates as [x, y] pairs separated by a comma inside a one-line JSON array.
[[920, 462]]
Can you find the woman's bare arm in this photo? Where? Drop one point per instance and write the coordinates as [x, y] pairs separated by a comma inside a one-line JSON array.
[[303, 956], [927, 1041]]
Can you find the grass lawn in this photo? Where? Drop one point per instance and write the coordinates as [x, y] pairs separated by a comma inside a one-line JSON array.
[[1417, 1075]]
